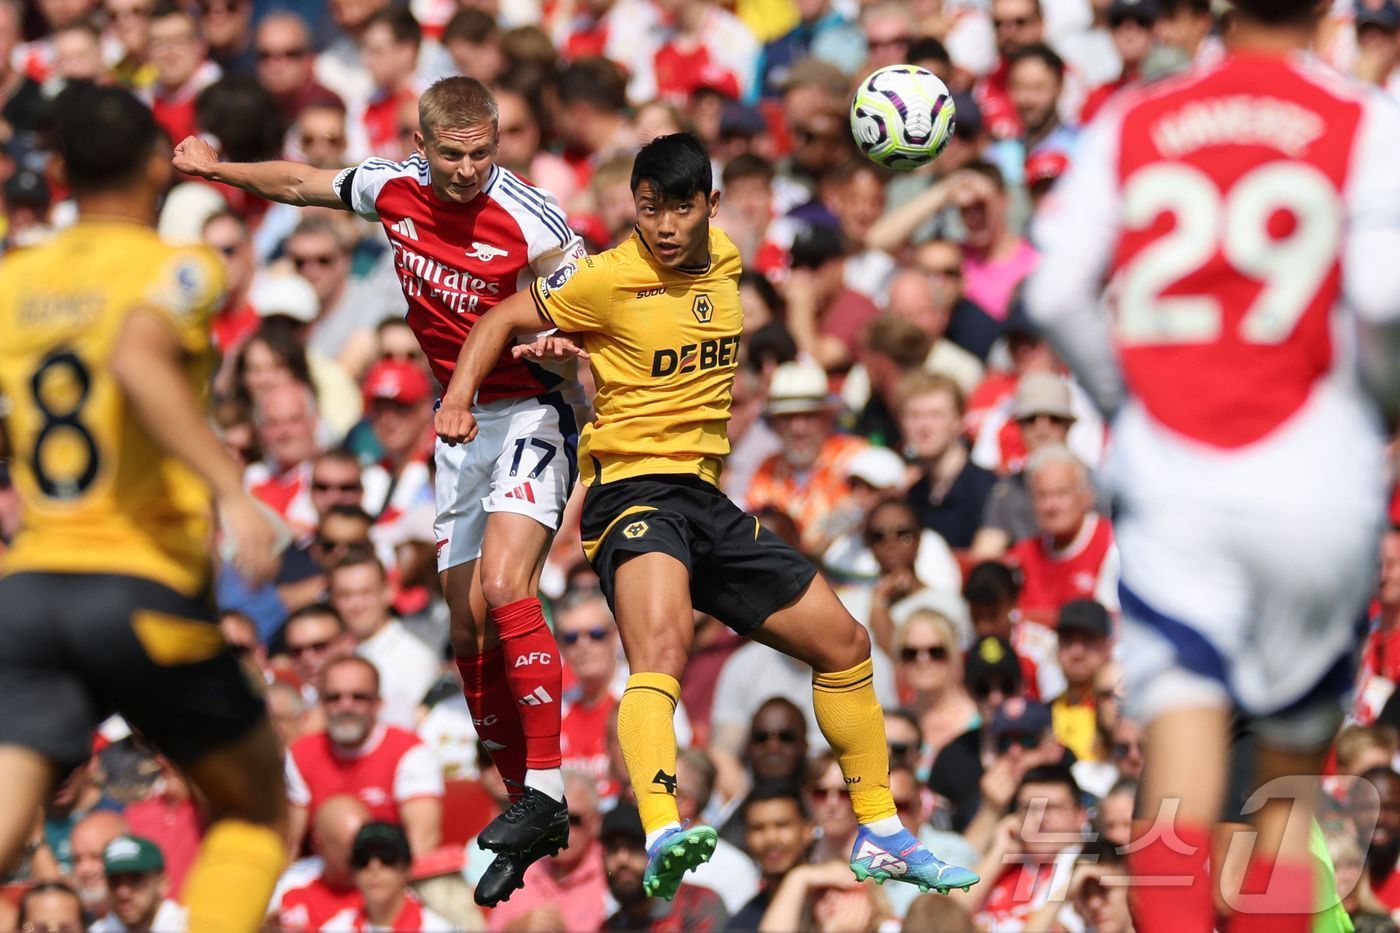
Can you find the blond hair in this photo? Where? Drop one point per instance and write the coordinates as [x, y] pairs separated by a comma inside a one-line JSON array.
[[455, 103]]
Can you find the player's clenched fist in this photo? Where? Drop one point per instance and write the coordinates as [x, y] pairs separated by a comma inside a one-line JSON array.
[[194, 156], [454, 424]]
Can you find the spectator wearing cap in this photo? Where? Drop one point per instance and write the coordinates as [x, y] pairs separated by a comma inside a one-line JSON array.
[[625, 859], [27, 202], [399, 406], [825, 316], [388, 768], [1085, 633], [1035, 82], [290, 301], [1040, 846], [951, 491], [807, 478], [1378, 51], [380, 860], [1042, 414], [568, 890], [1042, 170], [777, 835], [1131, 24], [315, 889], [136, 877], [1072, 555], [1041, 407], [993, 675]]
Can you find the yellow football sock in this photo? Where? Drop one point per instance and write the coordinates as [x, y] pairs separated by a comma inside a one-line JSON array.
[[232, 879], [854, 725], [647, 734]]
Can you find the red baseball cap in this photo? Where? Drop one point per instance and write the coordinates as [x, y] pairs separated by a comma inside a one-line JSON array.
[[1046, 166], [397, 380]]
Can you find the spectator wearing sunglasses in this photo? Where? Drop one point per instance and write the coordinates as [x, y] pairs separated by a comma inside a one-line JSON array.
[[775, 753], [389, 769], [380, 860], [993, 675], [929, 655], [1130, 27], [588, 643], [315, 635], [828, 799], [284, 58]]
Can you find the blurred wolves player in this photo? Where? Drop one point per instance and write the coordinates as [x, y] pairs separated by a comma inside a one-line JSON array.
[[106, 593], [467, 233], [660, 320], [1247, 219]]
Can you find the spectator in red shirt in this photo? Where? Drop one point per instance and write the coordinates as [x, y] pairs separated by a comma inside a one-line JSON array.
[[588, 643], [389, 47], [1131, 24], [1380, 658], [1018, 23], [380, 860], [1073, 556], [181, 68], [825, 317], [991, 591], [625, 858], [313, 891], [227, 234], [388, 768], [169, 817]]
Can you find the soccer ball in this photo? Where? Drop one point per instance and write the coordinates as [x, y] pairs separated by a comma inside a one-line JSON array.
[[902, 116]]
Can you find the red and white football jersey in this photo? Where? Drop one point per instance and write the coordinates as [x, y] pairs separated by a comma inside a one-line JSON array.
[[456, 261], [391, 767], [311, 905], [1234, 212], [1086, 568]]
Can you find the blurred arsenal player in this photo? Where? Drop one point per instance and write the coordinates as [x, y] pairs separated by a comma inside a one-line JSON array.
[[1246, 217], [467, 233]]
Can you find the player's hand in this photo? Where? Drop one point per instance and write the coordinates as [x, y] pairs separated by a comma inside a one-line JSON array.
[[455, 424], [194, 156], [550, 347], [250, 539]]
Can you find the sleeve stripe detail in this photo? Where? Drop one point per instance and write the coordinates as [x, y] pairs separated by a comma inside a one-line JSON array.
[[540, 198], [550, 217], [539, 304]]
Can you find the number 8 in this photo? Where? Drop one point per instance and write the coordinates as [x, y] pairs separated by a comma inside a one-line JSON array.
[[56, 421], [1291, 267]]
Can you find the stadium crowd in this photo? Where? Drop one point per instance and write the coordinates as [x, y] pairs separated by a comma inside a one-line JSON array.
[[894, 416]]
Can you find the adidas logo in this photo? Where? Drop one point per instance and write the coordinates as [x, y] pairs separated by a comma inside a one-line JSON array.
[[405, 229], [523, 491], [879, 858], [538, 697]]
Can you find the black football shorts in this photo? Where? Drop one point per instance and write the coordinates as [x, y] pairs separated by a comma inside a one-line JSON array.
[[77, 647], [740, 572]]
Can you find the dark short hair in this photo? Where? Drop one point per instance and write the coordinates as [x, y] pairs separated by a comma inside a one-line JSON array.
[[746, 165], [105, 136], [346, 510], [1198, 7], [470, 25], [677, 166], [401, 24], [765, 791], [1051, 774], [594, 81], [928, 49], [989, 583], [360, 555], [990, 172], [1277, 12], [1039, 51]]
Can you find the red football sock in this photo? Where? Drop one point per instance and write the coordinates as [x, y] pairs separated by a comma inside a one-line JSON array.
[[495, 713], [536, 678], [1276, 897], [1160, 902]]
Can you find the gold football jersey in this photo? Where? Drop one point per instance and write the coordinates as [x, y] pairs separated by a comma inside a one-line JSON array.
[[663, 344], [98, 494]]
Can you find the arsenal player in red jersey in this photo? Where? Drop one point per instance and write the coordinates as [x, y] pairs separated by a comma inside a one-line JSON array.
[[1246, 216], [467, 233]]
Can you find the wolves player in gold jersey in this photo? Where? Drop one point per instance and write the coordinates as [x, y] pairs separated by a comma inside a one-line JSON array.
[[660, 321], [106, 592]]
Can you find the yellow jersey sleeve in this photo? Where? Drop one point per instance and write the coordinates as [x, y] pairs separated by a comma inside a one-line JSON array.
[[576, 296], [185, 292]]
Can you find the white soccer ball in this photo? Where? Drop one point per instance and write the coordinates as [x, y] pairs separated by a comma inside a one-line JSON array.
[[902, 116]]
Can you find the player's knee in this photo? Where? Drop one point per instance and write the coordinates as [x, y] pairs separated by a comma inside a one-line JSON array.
[[845, 649], [503, 586]]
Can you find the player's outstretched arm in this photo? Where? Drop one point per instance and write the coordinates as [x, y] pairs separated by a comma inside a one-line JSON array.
[[484, 345], [147, 364], [288, 182]]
